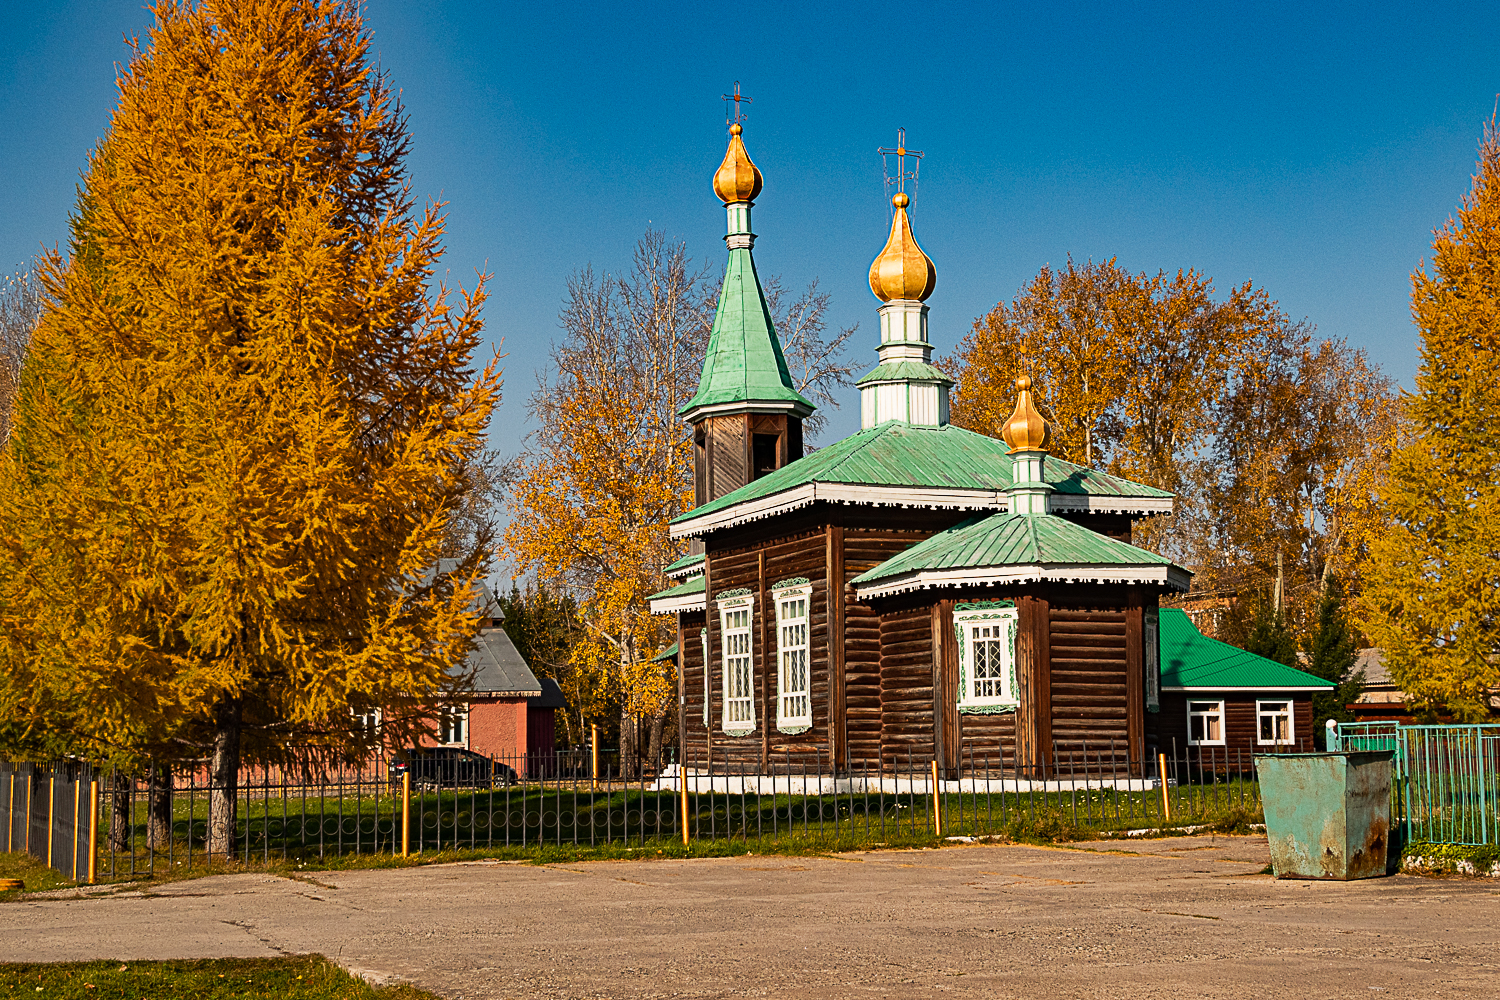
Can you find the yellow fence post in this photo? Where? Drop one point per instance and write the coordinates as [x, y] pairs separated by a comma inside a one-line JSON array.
[[10, 812], [93, 829], [1166, 803], [937, 802], [406, 812], [26, 841], [77, 802], [594, 772], [51, 807], [682, 780]]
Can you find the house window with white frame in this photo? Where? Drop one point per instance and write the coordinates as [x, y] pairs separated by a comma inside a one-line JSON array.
[[793, 688], [738, 661], [453, 725], [366, 722], [1273, 723], [1205, 723], [986, 657]]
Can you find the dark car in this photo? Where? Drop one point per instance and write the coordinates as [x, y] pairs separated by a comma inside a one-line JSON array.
[[450, 767]]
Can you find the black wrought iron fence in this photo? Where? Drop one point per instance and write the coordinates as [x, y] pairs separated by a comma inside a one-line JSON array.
[[160, 819]]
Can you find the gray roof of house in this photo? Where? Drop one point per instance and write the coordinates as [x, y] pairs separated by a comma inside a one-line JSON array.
[[498, 668], [1372, 662], [551, 696]]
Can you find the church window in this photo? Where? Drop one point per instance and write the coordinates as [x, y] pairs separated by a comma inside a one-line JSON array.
[[986, 657], [793, 689], [735, 616], [763, 454], [1206, 723], [1153, 660], [708, 684], [1273, 723]]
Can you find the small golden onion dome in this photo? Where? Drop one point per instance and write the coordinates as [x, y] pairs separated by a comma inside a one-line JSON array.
[[737, 179], [902, 271], [1026, 430]]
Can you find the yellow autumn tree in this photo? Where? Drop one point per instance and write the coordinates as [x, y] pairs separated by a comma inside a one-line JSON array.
[[1431, 599], [610, 464], [251, 416]]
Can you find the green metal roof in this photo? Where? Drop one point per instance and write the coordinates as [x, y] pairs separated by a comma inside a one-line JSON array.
[[899, 371], [1190, 659], [744, 362], [896, 453], [670, 653], [693, 586], [686, 562], [1012, 540]]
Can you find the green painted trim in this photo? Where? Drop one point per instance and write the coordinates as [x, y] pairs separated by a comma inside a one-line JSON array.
[[793, 581], [725, 595], [794, 730], [998, 602]]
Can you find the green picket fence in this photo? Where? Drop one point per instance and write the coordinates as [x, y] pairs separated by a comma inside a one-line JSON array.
[[1445, 785]]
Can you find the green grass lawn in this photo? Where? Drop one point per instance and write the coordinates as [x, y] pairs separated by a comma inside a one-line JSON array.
[[303, 977], [36, 876]]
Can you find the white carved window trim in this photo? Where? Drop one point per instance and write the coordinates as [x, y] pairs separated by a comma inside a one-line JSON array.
[[1210, 712], [366, 721], [1152, 638], [1267, 709], [737, 662], [794, 659], [453, 725], [708, 680], [987, 657]]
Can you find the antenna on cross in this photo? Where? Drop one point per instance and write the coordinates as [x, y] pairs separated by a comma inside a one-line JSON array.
[[739, 113], [902, 174]]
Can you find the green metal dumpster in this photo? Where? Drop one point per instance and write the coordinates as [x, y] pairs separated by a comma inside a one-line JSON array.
[[1328, 815]]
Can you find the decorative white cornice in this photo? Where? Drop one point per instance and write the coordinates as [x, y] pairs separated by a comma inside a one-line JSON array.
[[750, 406], [676, 605], [1233, 688], [914, 497], [1169, 577]]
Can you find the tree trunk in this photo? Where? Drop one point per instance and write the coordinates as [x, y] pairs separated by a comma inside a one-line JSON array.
[[159, 807], [223, 778], [122, 787], [627, 744], [653, 753]]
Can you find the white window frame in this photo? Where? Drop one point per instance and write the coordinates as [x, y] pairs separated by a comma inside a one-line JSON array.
[[793, 655], [994, 626], [1290, 713], [451, 718], [1152, 638], [367, 721], [708, 680], [1216, 711], [737, 664]]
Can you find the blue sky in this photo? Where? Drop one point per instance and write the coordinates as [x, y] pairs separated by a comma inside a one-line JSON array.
[[1310, 150]]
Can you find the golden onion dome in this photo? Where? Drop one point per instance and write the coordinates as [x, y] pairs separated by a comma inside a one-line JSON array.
[[902, 271], [737, 179], [1026, 430]]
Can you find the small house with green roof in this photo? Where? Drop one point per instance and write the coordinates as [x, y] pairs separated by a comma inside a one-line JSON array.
[[915, 592], [1224, 702]]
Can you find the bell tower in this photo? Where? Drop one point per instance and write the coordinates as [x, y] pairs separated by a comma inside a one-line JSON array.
[[746, 416]]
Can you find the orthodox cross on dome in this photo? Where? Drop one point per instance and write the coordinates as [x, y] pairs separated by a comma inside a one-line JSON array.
[[739, 112], [902, 175]]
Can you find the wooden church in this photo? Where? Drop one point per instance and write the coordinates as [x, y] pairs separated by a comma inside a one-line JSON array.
[[915, 591]]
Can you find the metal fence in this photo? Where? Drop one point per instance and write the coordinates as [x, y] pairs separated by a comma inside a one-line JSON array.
[[113, 825], [46, 811], [1446, 779]]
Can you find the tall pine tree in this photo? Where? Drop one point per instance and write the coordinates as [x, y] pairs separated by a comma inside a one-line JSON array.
[[252, 417], [1431, 597]]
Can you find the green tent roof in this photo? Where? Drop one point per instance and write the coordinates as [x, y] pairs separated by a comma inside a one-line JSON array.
[[1191, 660], [1007, 540], [670, 653], [743, 362], [896, 453]]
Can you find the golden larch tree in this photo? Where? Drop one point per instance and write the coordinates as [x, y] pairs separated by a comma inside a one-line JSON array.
[[251, 416], [1431, 599]]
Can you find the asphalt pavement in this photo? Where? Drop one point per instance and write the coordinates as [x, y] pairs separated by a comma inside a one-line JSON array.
[[1174, 918]]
